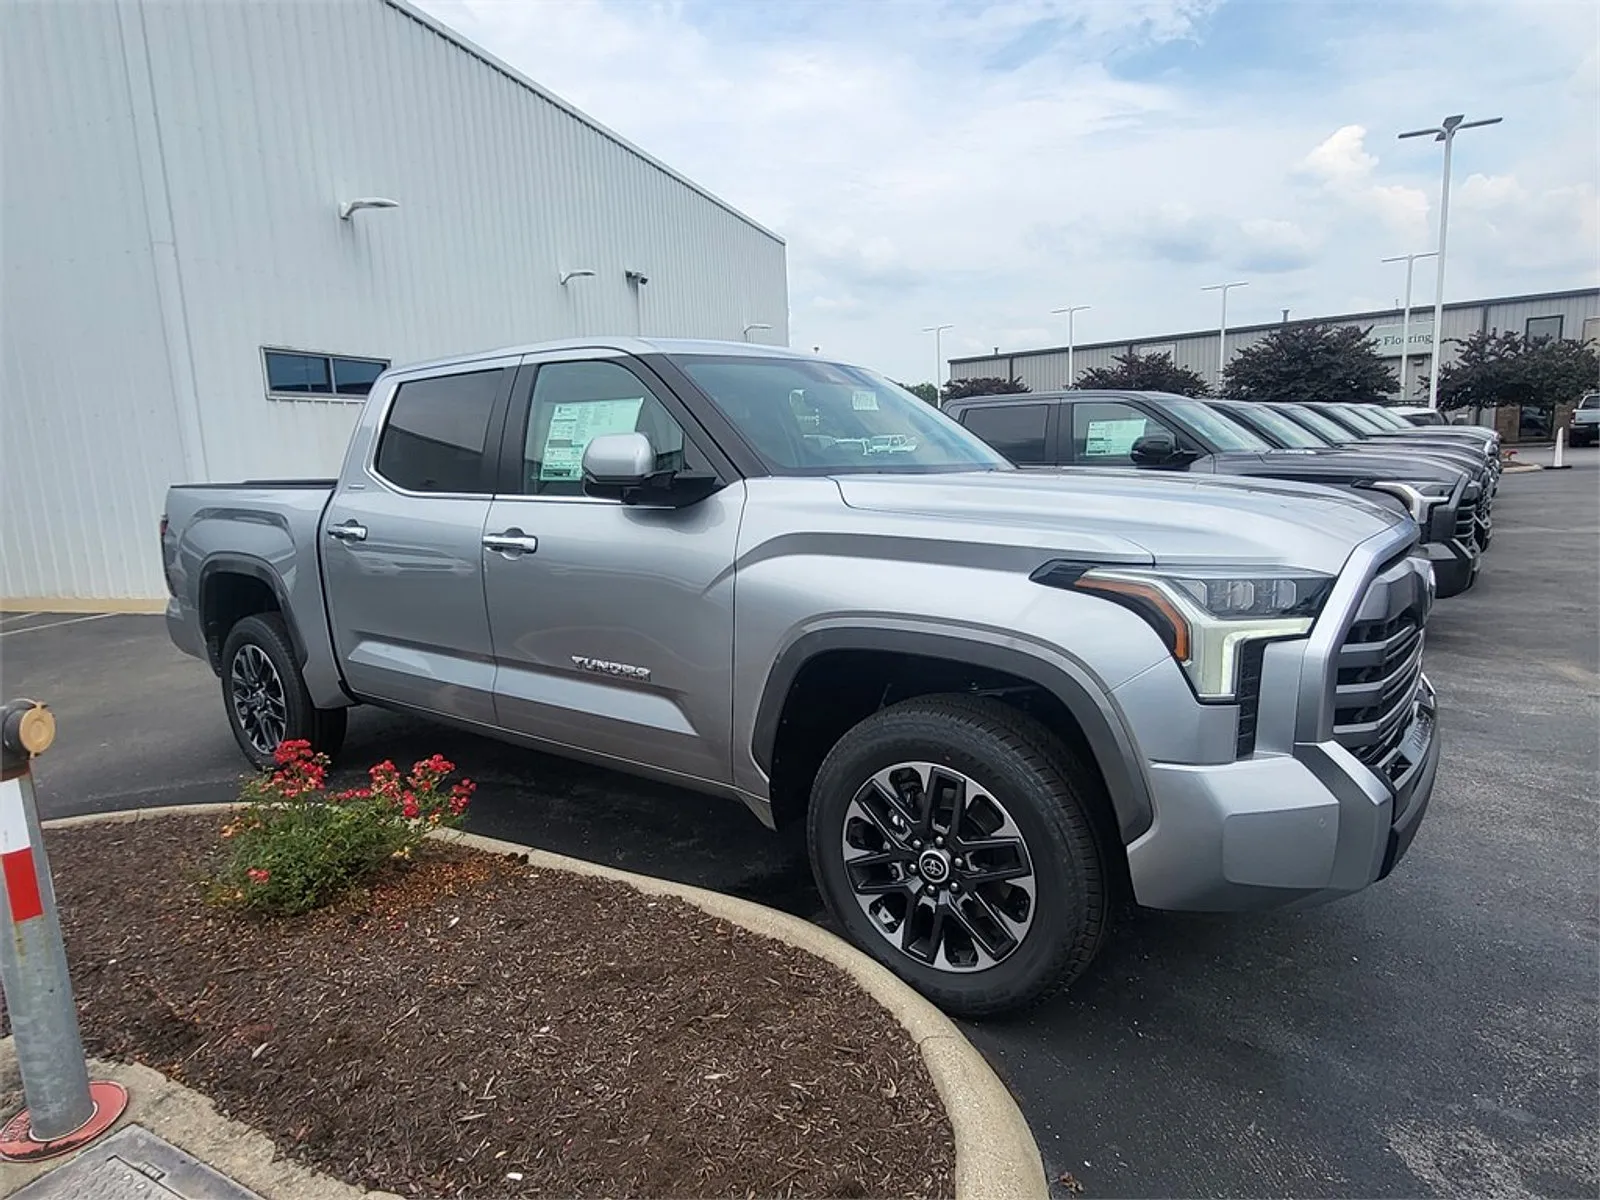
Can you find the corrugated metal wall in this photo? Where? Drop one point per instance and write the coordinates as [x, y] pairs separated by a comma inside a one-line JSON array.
[[199, 152], [1047, 370]]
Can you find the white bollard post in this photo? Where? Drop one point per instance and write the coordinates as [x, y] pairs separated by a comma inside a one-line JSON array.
[[1559, 463]]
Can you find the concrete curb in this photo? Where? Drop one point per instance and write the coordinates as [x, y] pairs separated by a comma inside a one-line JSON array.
[[996, 1155]]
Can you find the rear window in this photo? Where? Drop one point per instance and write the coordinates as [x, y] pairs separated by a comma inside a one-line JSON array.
[[436, 433], [1016, 430], [1590, 401]]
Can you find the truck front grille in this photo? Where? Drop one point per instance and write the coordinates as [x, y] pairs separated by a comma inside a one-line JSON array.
[[1378, 668], [1249, 693], [1467, 515]]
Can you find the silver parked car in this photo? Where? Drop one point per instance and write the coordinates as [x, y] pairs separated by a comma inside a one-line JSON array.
[[994, 698]]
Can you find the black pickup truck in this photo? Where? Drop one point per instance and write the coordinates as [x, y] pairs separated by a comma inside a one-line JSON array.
[[1163, 432]]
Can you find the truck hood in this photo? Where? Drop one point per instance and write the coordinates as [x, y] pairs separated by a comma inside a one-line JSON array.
[[1133, 515], [1340, 465]]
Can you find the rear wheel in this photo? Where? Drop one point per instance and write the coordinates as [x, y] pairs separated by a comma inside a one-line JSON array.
[[265, 694], [951, 836]]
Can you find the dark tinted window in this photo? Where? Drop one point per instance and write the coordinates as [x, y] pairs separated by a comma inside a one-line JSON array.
[[1016, 430], [435, 435], [354, 376], [576, 402], [1103, 432], [303, 373], [1540, 329], [293, 374]]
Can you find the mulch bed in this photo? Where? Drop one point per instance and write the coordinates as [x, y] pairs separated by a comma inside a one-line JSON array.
[[473, 1026]]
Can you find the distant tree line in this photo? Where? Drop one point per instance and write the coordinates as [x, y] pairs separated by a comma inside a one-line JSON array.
[[1318, 363]]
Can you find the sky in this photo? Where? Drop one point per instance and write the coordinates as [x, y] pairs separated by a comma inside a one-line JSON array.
[[947, 161]]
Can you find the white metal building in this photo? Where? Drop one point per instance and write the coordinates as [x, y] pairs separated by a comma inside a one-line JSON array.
[[171, 179], [1569, 314]]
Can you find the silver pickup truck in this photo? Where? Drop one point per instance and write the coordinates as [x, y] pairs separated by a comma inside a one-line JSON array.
[[999, 701]]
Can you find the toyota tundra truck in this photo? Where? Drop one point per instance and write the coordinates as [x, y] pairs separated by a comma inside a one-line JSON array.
[[999, 702]]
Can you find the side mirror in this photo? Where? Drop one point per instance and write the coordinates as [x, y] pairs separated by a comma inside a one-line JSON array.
[[622, 466], [1158, 449], [618, 460]]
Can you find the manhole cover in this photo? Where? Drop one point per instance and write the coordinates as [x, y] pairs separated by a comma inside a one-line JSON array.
[[134, 1164]]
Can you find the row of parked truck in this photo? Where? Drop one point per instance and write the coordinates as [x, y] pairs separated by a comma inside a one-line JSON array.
[[1003, 688]]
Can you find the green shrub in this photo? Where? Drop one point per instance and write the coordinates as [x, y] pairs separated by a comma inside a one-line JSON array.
[[296, 846]]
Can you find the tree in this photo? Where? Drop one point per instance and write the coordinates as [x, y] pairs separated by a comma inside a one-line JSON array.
[[960, 389], [1495, 369], [926, 392], [1314, 363], [1137, 372]]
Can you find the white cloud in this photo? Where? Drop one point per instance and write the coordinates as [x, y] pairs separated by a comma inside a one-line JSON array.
[[983, 164], [1348, 173]]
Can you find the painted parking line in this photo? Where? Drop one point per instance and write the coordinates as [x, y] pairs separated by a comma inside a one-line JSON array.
[[5, 633]]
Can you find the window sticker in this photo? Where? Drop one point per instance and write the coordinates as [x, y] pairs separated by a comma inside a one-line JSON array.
[[863, 401], [573, 426], [1107, 438]]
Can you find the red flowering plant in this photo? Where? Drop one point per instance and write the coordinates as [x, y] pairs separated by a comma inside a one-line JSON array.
[[296, 845]]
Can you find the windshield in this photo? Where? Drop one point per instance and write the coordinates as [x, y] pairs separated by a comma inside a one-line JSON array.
[[1359, 414], [1385, 418], [1225, 432], [804, 417], [1318, 423], [1295, 437], [1423, 416]]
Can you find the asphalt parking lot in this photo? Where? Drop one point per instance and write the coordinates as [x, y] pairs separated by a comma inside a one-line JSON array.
[[1435, 1035]]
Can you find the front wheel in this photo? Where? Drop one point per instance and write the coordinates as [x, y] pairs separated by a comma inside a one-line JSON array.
[[951, 837], [265, 694]]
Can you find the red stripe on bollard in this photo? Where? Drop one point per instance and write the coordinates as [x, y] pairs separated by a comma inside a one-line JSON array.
[[22, 885]]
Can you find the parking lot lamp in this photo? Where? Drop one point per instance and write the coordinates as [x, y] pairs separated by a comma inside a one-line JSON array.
[[1405, 316], [1222, 337], [938, 352], [1072, 375], [1444, 132]]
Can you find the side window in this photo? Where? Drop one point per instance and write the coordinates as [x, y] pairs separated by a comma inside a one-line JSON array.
[[1103, 432], [1016, 430], [435, 435], [575, 402]]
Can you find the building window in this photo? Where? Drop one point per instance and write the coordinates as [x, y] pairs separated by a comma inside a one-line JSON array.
[[1543, 329], [294, 375]]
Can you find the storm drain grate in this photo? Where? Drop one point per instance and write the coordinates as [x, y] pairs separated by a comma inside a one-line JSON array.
[[134, 1164]]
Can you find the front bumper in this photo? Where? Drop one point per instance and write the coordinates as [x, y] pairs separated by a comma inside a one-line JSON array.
[[1455, 565], [1276, 831]]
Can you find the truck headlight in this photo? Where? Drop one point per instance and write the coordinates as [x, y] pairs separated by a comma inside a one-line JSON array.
[[1420, 498], [1207, 617]]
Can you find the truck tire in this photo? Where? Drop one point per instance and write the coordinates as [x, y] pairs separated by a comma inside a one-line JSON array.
[[265, 695], [982, 912]]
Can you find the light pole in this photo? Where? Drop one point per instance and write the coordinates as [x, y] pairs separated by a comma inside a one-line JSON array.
[[938, 351], [1072, 376], [1222, 337], [1445, 132], [1405, 316]]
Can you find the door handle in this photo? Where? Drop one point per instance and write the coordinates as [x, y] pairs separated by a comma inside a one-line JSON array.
[[350, 531], [513, 542]]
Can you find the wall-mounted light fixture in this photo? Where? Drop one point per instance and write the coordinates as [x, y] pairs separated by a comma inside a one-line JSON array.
[[754, 325], [637, 278], [350, 207], [580, 273]]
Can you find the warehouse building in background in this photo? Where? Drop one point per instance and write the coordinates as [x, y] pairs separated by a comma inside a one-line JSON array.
[[1569, 314], [203, 271]]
